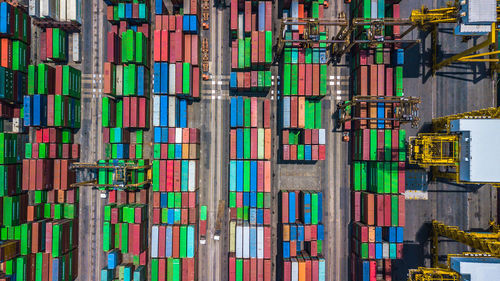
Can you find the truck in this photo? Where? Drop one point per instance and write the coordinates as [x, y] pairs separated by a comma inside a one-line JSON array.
[[203, 225], [220, 217]]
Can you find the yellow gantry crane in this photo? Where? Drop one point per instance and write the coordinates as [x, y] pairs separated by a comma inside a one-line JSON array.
[[487, 243], [121, 172], [429, 19], [451, 151]]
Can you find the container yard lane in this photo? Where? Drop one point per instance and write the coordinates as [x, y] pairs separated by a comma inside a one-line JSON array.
[[212, 261], [93, 32]]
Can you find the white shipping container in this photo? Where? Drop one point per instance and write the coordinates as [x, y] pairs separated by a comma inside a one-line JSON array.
[[156, 111], [154, 241], [193, 179], [62, 10], [260, 242], [74, 11], [294, 13], [295, 270], [241, 27], [385, 250], [239, 241], [17, 126], [187, 7], [232, 236], [322, 136], [178, 135], [171, 79], [374, 9], [34, 8], [172, 100], [119, 80], [260, 148], [321, 269], [246, 241], [76, 47]]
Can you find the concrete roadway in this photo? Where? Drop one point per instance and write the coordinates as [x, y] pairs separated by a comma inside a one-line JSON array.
[[211, 115], [94, 32]]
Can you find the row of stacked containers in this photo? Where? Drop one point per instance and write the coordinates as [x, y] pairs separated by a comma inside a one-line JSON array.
[[175, 166], [41, 104], [304, 84], [378, 152], [125, 119], [250, 190], [301, 236]]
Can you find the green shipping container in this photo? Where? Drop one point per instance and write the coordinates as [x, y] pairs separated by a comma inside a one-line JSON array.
[[398, 82], [186, 78], [286, 79]]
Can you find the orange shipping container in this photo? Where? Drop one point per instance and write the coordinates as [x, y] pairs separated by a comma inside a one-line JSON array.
[[158, 21], [301, 112], [267, 176], [185, 151], [302, 269], [267, 144], [286, 232]]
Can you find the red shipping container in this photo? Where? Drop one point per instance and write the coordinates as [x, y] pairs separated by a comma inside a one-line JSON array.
[[196, 82], [267, 176], [302, 74], [267, 216], [286, 152], [247, 80], [126, 112], [253, 143], [49, 42], [143, 113], [363, 80], [380, 210], [248, 16], [387, 210], [315, 152], [267, 117], [171, 23], [373, 80], [255, 47], [401, 177], [293, 112], [286, 270], [262, 47], [50, 110], [162, 269], [253, 112], [307, 137], [234, 15], [395, 145], [380, 80], [175, 241], [177, 176], [134, 112], [260, 176], [308, 89], [246, 263], [163, 50], [234, 54], [286, 135], [253, 79], [170, 175], [366, 144], [194, 49], [267, 242], [269, 16], [232, 269], [401, 205], [187, 48], [253, 269], [321, 152], [380, 145], [293, 152], [267, 270], [356, 206], [233, 144]]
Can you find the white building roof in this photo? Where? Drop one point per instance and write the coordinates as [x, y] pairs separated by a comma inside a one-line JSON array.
[[480, 149]]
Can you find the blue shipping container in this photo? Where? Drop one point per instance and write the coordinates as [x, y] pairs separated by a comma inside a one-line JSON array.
[[291, 207]]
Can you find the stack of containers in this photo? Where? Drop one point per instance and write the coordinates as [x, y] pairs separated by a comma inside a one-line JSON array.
[[176, 56], [52, 108], [54, 45], [251, 45], [250, 189], [56, 10], [125, 117], [15, 33], [176, 148], [304, 73], [53, 98], [378, 152], [301, 236], [13, 203]]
